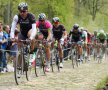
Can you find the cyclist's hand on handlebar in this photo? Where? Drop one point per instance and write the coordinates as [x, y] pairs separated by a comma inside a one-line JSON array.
[[13, 39]]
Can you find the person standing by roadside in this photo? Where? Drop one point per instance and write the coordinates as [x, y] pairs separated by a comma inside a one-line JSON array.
[[6, 29], [3, 44]]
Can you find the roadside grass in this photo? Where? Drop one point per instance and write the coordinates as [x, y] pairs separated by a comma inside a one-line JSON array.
[[102, 83]]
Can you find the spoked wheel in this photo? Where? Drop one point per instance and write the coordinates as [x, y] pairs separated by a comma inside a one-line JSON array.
[[18, 68], [39, 63], [72, 57], [100, 56], [28, 67], [76, 57], [55, 61]]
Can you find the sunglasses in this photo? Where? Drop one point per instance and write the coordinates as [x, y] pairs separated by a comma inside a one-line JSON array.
[[41, 20], [23, 11], [56, 22]]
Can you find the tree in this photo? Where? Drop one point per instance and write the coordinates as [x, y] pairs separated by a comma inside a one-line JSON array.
[[93, 6]]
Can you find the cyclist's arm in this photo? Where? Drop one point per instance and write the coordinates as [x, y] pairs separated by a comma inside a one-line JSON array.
[[49, 26], [97, 37], [105, 39], [70, 35], [34, 31], [49, 34], [64, 34], [14, 23]]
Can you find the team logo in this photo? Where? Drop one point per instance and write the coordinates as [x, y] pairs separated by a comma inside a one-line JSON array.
[[21, 8]]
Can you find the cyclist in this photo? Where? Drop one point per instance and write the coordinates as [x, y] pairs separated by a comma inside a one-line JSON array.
[[94, 36], [75, 35], [59, 35], [88, 43], [101, 39], [45, 28], [107, 40], [85, 39], [26, 22]]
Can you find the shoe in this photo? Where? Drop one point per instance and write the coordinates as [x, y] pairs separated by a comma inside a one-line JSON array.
[[61, 65], [18, 75], [3, 72], [78, 60], [88, 58], [47, 69]]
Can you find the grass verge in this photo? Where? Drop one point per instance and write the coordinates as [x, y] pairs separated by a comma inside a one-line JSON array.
[[102, 83]]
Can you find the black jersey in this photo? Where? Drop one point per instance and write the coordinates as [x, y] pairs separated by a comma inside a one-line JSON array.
[[58, 31], [26, 24], [75, 36]]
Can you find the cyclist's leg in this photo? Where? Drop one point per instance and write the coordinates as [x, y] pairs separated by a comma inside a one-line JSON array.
[[88, 51], [60, 54], [79, 46], [48, 56], [32, 42]]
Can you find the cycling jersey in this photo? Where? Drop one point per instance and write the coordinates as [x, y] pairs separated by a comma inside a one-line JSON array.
[[93, 37], [101, 37], [43, 28], [88, 37], [84, 36], [25, 25], [58, 31], [75, 36]]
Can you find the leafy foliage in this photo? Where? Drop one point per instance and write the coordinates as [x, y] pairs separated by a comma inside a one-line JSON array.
[[91, 14]]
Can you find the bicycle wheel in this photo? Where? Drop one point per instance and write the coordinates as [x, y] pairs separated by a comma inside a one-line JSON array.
[[28, 67], [100, 55], [55, 60], [39, 62], [18, 67], [76, 57], [72, 57]]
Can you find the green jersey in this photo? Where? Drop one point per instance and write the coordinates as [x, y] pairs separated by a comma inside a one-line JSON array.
[[101, 36]]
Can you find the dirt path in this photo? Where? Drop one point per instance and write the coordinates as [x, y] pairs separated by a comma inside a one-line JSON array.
[[85, 77]]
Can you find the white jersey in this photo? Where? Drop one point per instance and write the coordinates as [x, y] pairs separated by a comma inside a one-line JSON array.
[[85, 35]]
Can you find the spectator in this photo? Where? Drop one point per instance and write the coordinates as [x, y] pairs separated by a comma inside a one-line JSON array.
[[3, 44], [6, 29]]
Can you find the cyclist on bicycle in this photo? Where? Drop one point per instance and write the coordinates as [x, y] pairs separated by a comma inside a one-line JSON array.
[[26, 22], [101, 39], [94, 36], [59, 35], [85, 39], [88, 43], [107, 39], [76, 37], [45, 28]]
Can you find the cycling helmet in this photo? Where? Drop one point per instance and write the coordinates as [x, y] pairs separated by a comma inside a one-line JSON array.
[[81, 28], [95, 31], [23, 6], [55, 19], [76, 26], [101, 31], [42, 16]]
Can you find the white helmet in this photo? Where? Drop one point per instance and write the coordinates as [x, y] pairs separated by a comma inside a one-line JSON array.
[[101, 31]]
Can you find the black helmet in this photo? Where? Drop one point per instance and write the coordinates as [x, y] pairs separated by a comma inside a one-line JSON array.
[[55, 19], [76, 26], [23, 6]]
